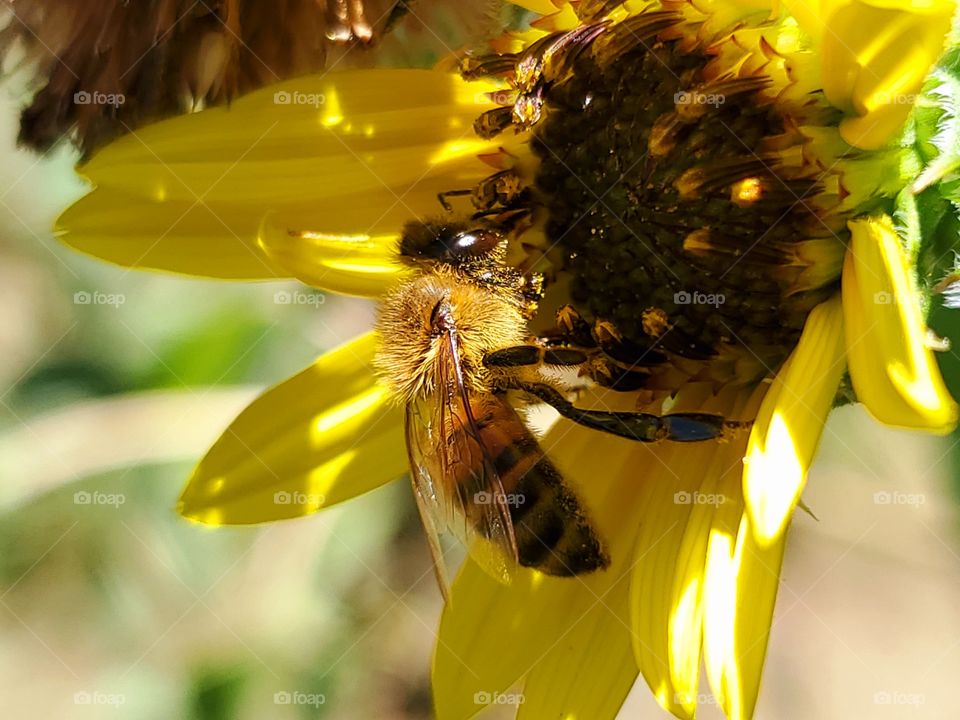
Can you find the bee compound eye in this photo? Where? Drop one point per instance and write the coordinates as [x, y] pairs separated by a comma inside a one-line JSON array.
[[473, 243]]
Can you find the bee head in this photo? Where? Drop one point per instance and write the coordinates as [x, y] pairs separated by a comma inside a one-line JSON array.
[[452, 242]]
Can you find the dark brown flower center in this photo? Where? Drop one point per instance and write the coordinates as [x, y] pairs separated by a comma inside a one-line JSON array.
[[664, 191]]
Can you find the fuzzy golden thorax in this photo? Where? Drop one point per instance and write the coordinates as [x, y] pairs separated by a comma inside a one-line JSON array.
[[413, 358]]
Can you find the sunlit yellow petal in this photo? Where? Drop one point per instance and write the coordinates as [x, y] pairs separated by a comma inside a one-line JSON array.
[[356, 152], [541, 7], [893, 373], [787, 430], [740, 590], [347, 264], [687, 592], [666, 496], [323, 436], [185, 237], [874, 59], [680, 493]]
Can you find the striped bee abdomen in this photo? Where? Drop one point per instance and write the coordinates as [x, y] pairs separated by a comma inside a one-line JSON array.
[[552, 531]]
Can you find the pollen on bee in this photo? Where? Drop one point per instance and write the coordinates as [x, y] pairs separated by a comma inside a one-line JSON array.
[[746, 192]]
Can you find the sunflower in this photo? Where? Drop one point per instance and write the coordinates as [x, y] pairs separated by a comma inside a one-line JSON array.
[[754, 201]]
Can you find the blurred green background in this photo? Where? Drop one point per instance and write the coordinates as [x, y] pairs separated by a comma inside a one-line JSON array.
[[112, 383]]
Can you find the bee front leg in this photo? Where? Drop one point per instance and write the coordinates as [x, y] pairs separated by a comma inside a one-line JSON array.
[[442, 197]]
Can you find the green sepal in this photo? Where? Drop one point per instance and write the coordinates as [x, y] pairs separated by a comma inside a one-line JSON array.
[[928, 211]]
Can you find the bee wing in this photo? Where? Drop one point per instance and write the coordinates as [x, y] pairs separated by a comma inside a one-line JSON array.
[[425, 492], [454, 477]]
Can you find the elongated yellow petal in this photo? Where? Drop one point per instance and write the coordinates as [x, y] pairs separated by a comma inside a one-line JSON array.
[[686, 602], [348, 153], [323, 436], [787, 430], [183, 236], [874, 59], [667, 496], [542, 630], [740, 591], [893, 373], [680, 493]]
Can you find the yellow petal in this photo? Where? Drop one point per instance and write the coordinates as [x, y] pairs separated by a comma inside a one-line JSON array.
[[325, 435], [666, 497], [184, 237], [357, 152], [590, 669], [740, 590], [491, 635], [874, 59], [813, 15], [348, 264], [549, 631], [541, 7], [679, 495], [787, 430], [893, 372], [685, 629]]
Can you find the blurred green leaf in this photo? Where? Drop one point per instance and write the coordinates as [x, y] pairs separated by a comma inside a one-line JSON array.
[[216, 693], [220, 350]]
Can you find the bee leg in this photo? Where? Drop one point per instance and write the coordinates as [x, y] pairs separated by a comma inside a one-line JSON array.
[[526, 355], [442, 197], [642, 427], [493, 122], [476, 67], [512, 216], [504, 188]]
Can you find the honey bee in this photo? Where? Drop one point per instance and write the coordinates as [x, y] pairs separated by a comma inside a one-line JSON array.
[[477, 470], [454, 349]]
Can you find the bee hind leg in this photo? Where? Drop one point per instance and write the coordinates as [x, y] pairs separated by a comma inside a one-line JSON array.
[[638, 426]]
